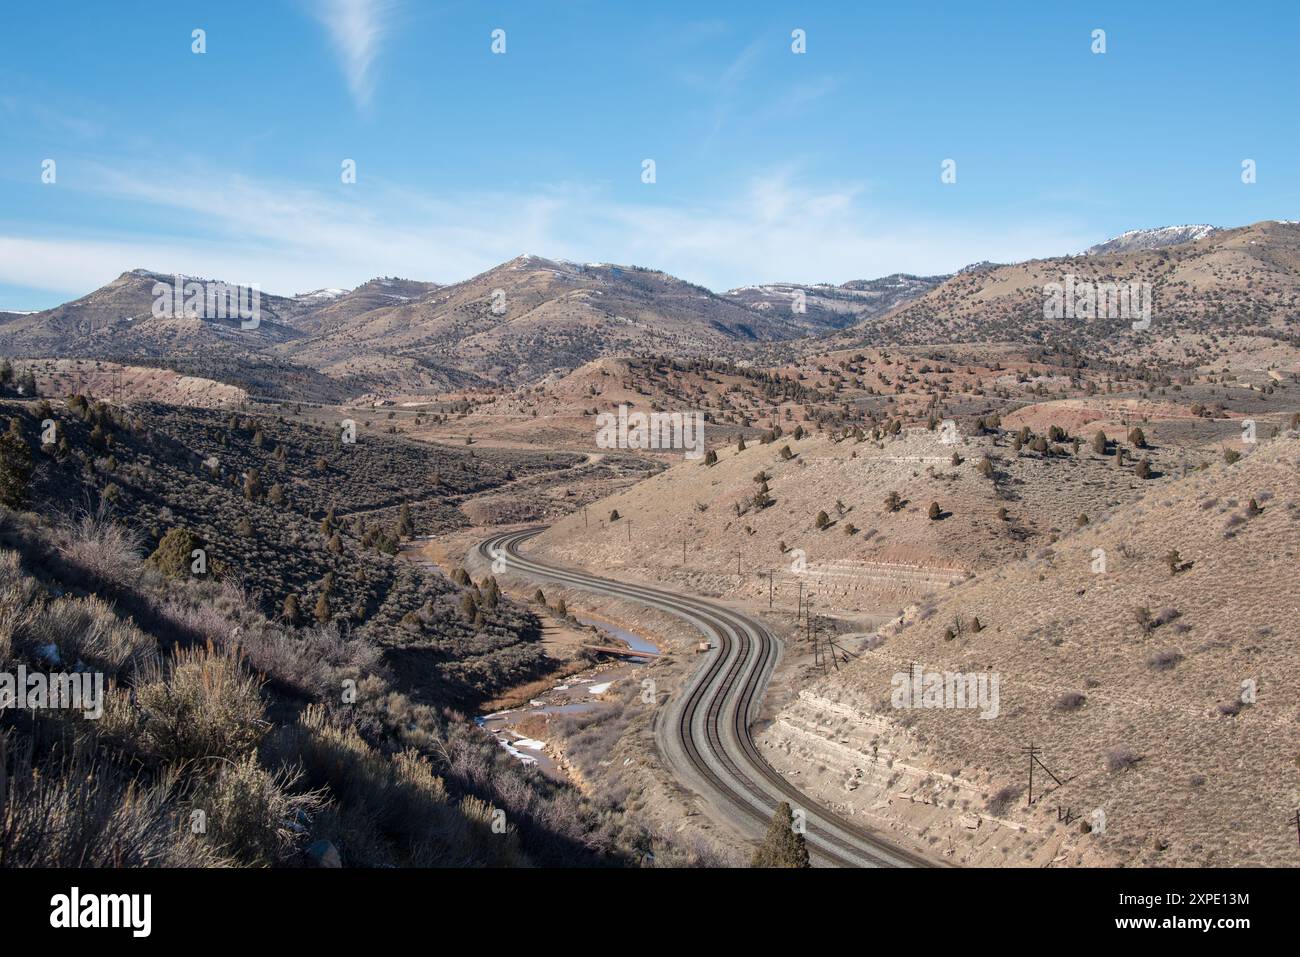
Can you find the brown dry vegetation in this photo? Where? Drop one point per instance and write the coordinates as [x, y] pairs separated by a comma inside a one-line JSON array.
[[231, 737], [1130, 680]]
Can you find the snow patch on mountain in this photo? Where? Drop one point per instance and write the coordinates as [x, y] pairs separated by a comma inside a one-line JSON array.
[[1137, 239], [321, 295]]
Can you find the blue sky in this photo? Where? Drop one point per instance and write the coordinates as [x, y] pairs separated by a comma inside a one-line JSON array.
[[770, 165]]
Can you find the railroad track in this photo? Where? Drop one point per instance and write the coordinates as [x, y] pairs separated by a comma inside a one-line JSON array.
[[704, 732]]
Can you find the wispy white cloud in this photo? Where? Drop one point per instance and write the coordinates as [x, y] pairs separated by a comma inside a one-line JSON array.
[[357, 29], [801, 96], [288, 239]]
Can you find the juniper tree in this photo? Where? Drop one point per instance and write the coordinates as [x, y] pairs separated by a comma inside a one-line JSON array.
[[468, 606], [174, 554], [15, 470], [782, 846], [322, 611]]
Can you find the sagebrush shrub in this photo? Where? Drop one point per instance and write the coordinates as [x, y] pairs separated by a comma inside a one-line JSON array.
[[199, 706]]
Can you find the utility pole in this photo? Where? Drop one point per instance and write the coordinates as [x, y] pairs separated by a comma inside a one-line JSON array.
[[629, 529], [1032, 752], [769, 600], [1297, 825], [683, 551], [584, 516], [738, 564]]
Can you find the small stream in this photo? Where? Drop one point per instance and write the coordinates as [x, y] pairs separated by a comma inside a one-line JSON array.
[[633, 640], [577, 694]]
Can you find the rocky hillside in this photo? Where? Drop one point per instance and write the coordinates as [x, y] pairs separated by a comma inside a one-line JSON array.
[[1148, 655], [1233, 293], [514, 323], [531, 316], [828, 307], [848, 520]]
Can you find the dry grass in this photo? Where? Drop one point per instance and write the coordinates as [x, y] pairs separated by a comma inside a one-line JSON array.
[[1163, 704]]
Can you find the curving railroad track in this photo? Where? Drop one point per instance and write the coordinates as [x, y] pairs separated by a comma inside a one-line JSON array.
[[704, 732]]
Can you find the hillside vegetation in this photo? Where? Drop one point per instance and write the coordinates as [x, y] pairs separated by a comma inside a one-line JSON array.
[[241, 725], [1149, 655]]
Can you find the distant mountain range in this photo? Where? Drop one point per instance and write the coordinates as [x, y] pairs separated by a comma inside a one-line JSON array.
[[512, 324], [531, 317]]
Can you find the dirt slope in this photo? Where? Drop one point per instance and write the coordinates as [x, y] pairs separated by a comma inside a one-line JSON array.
[[1135, 682]]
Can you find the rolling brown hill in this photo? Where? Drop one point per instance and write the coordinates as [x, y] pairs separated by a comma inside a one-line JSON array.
[[118, 319], [117, 323], [1161, 689], [512, 324], [1225, 296], [867, 558], [1232, 292], [532, 316]]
